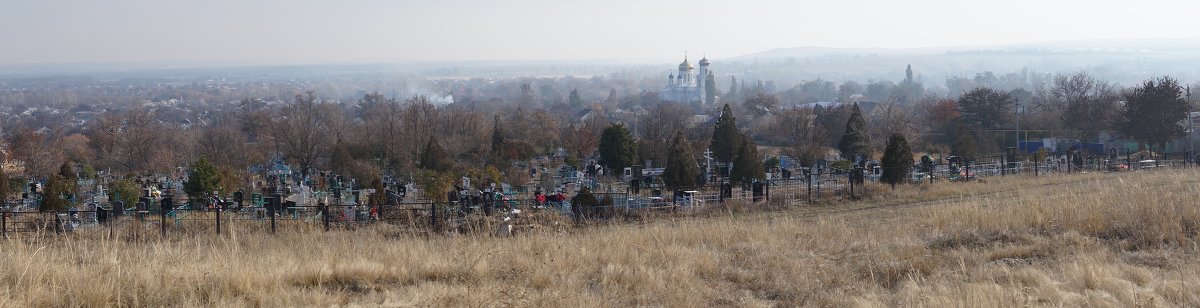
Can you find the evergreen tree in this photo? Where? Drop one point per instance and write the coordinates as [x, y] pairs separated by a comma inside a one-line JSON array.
[[5, 186], [67, 171], [1153, 111], [617, 147], [341, 160], [897, 159], [56, 196], [203, 179], [725, 138], [527, 98], [908, 75], [497, 136], [125, 190], [748, 165], [855, 142], [434, 185], [681, 170], [379, 197], [434, 157], [583, 203], [733, 88], [574, 98], [710, 89], [964, 143], [89, 172]]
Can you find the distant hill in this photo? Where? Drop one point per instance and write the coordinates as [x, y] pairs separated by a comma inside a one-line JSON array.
[[1124, 61], [1182, 47]]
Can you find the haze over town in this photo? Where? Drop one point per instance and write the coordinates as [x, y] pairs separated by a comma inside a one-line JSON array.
[[374, 31], [599, 153]]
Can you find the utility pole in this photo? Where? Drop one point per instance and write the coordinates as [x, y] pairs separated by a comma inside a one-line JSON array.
[[1191, 134], [1018, 111]]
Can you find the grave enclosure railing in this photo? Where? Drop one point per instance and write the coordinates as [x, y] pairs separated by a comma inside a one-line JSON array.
[[465, 215]]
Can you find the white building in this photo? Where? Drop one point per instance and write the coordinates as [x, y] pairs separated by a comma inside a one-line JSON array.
[[688, 85]]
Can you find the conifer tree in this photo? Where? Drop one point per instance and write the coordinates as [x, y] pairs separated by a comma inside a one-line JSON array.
[[908, 75], [124, 190], [67, 171], [725, 138], [434, 157], [56, 196], [964, 143], [733, 88], [574, 98], [5, 187], [681, 170], [748, 165], [203, 179], [617, 147], [855, 142], [341, 160], [497, 136], [897, 159], [583, 203], [710, 89]]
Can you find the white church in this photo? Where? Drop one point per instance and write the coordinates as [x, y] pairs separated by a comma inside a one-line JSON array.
[[687, 86]]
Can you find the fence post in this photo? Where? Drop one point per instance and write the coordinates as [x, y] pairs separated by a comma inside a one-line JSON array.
[[164, 205], [818, 184], [324, 215], [219, 208], [276, 201], [432, 215], [852, 185], [162, 222], [809, 182], [766, 193]]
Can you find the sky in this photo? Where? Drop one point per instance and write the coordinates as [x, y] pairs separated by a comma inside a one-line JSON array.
[[378, 31]]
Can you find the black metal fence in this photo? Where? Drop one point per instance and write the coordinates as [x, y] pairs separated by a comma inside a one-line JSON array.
[[473, 214]]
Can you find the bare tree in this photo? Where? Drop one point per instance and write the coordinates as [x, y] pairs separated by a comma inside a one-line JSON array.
[[39, 150], [656, 130], [1086, 104], [223, 145], [544, 131], [418, 123], [301, 132], [891, 118], [383, 128], [130, 142], [805, 139], [580, 140]]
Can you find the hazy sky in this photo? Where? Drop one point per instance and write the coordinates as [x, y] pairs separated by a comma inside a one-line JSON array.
[[348, 31]]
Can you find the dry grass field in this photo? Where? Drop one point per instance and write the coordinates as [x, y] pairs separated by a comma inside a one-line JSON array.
[[1096, 240]]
